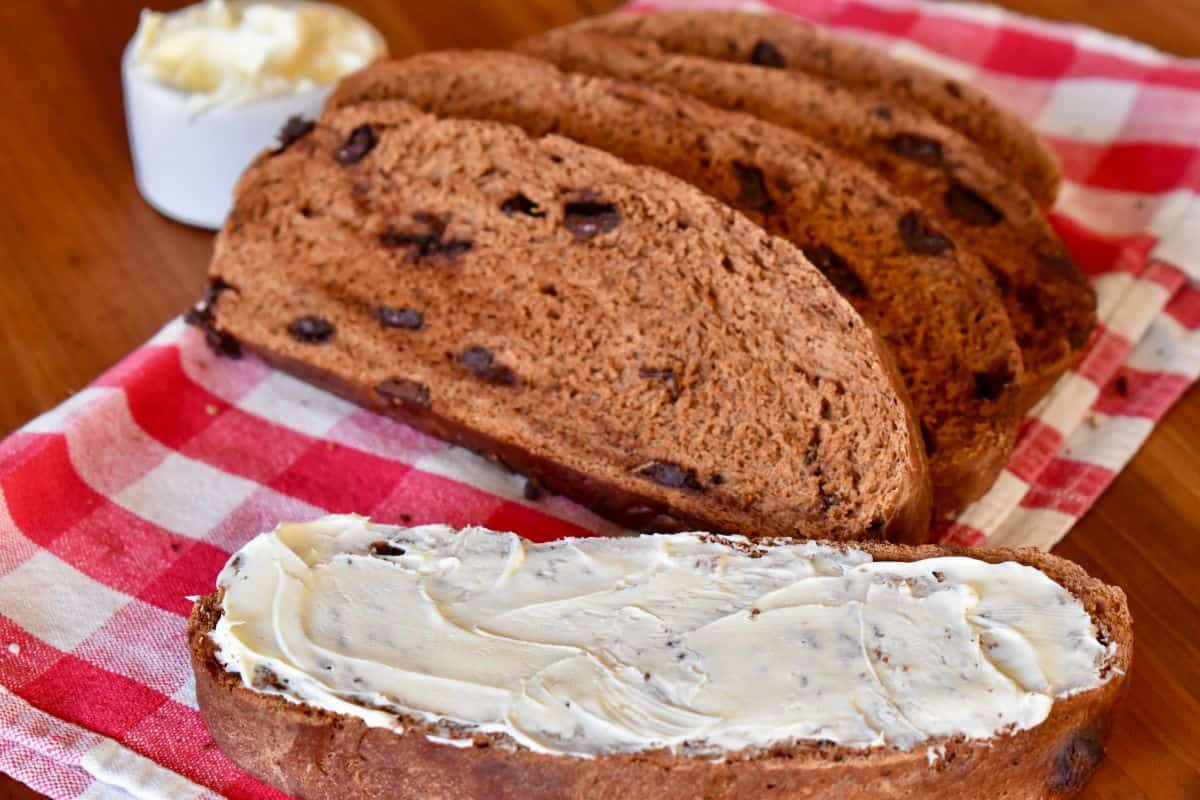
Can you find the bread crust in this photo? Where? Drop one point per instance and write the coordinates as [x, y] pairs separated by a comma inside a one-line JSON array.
[[314, 754], [909, 524], [734, 36]]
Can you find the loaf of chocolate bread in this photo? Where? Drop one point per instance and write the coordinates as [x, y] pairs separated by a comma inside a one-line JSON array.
[[931, 301], [1050, 303], [605, 329], [781, 42]]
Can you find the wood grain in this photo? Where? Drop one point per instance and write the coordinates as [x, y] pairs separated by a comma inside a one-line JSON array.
[[89, 272]]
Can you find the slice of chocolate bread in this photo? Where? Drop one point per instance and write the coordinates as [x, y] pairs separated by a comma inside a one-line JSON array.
[[933, 303], [604, 329], [1050, 303], [781, 42], [433, 664]]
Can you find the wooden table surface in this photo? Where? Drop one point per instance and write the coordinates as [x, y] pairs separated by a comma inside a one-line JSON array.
[[89, 272]]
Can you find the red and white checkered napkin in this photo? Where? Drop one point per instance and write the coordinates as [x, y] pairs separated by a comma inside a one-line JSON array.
[[128, 498]]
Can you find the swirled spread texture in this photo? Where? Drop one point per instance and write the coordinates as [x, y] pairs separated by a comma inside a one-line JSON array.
[[684, 641], [233, 52]]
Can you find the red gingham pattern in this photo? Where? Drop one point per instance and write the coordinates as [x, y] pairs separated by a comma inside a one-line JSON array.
[[118, 505]]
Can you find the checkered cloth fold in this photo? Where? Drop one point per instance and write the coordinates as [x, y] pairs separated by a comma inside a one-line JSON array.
[[128, 498]]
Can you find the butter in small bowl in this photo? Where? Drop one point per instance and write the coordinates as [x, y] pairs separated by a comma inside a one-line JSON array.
[[208, 87]]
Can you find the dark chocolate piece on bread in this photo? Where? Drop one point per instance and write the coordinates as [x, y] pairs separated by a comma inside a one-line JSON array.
[[310, 752], [981, 207], [933, 303], [533, 339], [801, 47], [200, 315], [295, 129]]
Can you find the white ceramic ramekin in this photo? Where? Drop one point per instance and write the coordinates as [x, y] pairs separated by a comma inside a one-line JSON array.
[[186, 162]]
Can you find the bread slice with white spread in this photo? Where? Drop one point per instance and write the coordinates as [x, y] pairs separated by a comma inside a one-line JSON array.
[[340, 658]]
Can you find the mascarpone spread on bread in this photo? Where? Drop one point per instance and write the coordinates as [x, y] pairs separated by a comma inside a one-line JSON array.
[[685, 641], [234, 52]]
